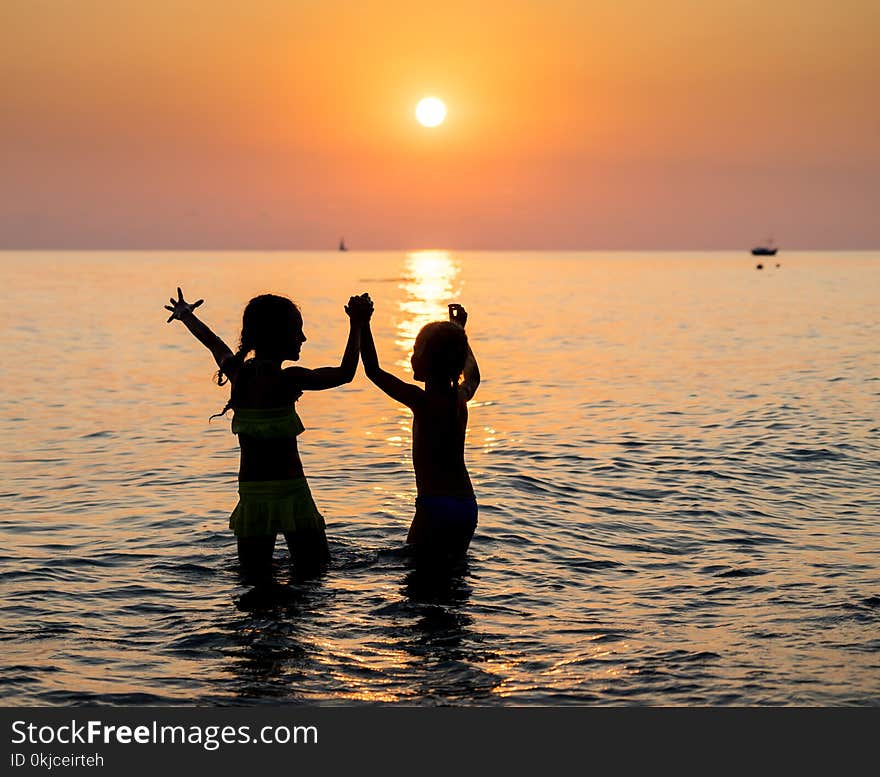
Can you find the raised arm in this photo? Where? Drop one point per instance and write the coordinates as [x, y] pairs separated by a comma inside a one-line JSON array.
[[330, 377], [471, 375], [183, 311], [458, 315], [405, 393]]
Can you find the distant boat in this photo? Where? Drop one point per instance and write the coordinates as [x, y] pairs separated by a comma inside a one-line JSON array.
[[769, 249], [342, 245]]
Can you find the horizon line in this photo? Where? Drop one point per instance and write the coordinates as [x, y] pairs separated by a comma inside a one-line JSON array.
[[254, 249]]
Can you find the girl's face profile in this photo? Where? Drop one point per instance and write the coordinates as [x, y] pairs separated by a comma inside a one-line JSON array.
[[297, 337]]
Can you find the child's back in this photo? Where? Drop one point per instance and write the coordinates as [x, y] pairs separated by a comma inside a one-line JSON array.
[[263, 403], [439, 429]]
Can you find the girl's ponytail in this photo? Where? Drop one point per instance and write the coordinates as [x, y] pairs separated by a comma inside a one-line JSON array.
[[237, 360]]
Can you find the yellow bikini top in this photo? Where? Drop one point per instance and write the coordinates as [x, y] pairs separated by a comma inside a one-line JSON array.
[[267, 422]]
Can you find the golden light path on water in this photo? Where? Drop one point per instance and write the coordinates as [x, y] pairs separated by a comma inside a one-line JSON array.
[[430, 283]]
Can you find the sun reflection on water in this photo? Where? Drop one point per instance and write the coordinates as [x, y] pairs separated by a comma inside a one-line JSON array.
[[429, 284]]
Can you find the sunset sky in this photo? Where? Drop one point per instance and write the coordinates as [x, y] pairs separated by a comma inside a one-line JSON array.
[[572, 124]]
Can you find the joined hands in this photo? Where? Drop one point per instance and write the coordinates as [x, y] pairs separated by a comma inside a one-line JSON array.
[[359, 308]]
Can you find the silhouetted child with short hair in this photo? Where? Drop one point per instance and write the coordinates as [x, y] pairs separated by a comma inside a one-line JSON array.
[[446, 509], [273, 493]]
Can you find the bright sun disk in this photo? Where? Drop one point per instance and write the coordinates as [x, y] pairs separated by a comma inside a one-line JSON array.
[[430, 112]]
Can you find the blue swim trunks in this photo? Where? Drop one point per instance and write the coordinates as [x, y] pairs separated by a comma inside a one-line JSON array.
[[444, 520]]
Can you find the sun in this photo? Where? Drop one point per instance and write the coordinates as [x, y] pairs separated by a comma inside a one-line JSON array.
[[430, 112]]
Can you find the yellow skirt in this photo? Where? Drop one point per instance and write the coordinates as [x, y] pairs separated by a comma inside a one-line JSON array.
[[273, 506]]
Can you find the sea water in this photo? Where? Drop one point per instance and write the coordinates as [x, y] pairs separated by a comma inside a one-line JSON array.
[[675, 455]]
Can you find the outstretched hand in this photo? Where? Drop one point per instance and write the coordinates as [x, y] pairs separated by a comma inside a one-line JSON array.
[[359, 308], [180, 307], [457, 314]]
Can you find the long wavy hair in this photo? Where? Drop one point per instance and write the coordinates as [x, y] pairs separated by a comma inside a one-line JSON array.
[[265, 330]]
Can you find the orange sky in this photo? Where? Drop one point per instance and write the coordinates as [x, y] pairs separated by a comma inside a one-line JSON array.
[[571, 124]]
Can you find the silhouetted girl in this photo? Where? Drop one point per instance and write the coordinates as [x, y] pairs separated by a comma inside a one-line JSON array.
[[273, 493], [446, 510]]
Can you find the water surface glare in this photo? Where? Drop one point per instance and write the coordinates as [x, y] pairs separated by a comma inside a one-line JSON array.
[[676, 458]]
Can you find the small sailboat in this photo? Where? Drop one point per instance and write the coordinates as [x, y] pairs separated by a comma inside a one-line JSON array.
[[342, 246], [768, 249]]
